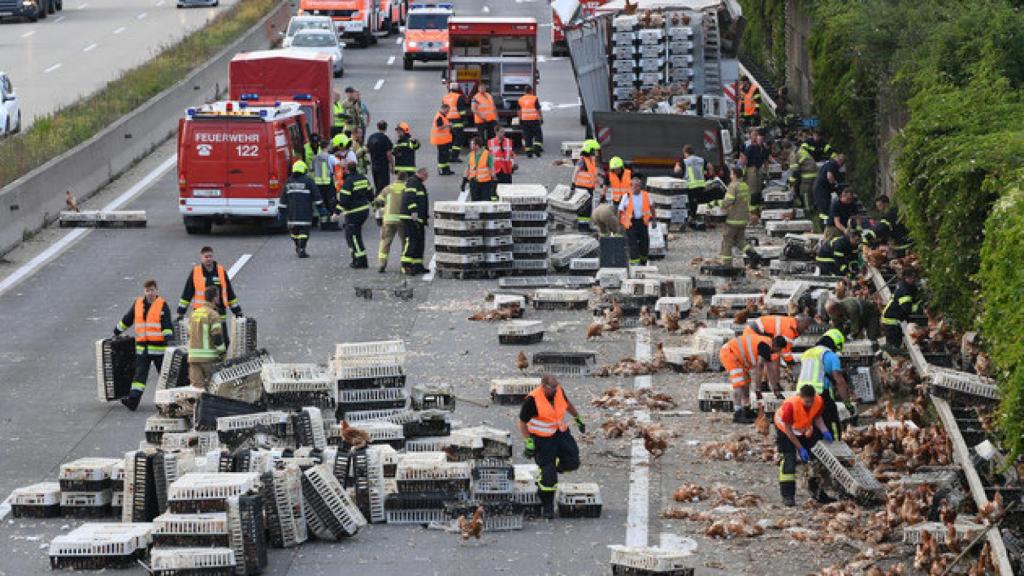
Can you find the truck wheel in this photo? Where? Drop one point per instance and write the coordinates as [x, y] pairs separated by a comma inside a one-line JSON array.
[[387, 28], [60, 5], [364, 40], [407, 63], [33, 17], [41, 11], [198, 225], [17, 127]]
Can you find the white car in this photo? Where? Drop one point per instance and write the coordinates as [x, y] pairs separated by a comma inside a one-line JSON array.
[[321, 42], [10, 112], [299, 23]]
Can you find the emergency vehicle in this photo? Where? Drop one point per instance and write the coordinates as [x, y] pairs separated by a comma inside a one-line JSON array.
[[360, 20], [233, 159], [559, 46], [395, 12], [267, 76], [426, 33]]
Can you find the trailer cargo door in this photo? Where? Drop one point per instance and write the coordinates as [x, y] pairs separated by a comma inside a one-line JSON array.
[[588, 50]]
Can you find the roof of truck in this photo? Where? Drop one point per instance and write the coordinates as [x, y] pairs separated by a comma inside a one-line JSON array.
[[494, 20], [279, 53]]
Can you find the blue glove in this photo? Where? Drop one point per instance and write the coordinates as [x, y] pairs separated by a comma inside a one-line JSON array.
[[323, 212], [827, 436], [804, 455]]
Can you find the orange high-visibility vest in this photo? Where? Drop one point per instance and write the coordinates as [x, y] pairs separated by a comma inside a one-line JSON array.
[[528, 108], [626, 216], [619, 185], [749, 104], [339, 175], [452, 100], [803, 419], [587, 177], [550, 417], [485, 110], [440, 135], [147, 325], [502, 152], [199, 283], [775, 325], [479, 168], [744, 349]]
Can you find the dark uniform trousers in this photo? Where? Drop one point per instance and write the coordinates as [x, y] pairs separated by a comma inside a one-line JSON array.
[[555, 454], [354, 235], [412, 254], [444, 154], [533, 138], [381, 177], [787, 466], [482, 191], [639, 242], [142, 362]]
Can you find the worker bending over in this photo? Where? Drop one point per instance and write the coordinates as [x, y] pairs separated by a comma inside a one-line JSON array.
[[840, 256], [855, 317], [798, 425], [151, 317], [744, 359], [905, 301], [547, 437], [207, 343], [788, 327], [821, 368]]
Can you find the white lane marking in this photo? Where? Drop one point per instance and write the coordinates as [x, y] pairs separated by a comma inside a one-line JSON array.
[[89, 48], [82, 6], [238, 265], [58, 20], [391, 60], [27, 34], [487, 9], [52, 68], [142, 16], [378, 85], [119, 30], [399, 40], [32, 266], [639, 459], [160, 3], [429, 276]]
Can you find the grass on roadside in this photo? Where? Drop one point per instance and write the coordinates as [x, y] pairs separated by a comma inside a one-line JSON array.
[[69, 126]]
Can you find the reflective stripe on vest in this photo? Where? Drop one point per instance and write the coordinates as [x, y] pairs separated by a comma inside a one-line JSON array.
[[587, 177], [479, 166], [502, 153], [528, 108], [339, 114], [550, 417], [803, 419], [201, 348], [744, 348], [440, 135], [812, 369], [749, 103], [694, 178], [452, 100], [147, 323], [626, 216], [199, 283], [619, 185], [485, 110], [322, 169]]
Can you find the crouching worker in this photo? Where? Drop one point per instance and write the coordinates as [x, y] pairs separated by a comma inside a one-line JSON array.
[[206, 344], [798, 426]]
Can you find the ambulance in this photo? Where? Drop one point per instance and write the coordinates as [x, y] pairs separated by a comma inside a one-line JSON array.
[[426, 34], [362, 21], [233, 159]]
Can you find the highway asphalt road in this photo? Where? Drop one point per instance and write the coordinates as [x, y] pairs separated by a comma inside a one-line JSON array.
[[50, 414], [73, 53]]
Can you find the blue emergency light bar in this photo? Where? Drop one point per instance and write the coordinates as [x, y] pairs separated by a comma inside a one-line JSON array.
[[249, 96], [263, 113], [243, 105], [299, 97], [441, 6], [191, 111]]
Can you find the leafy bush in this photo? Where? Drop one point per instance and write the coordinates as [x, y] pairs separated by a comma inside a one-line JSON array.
[[764, 38], [66, 128]]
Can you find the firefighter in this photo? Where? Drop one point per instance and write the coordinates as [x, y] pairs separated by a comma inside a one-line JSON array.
[[618, 181], [789, 327], [803, 171], [485, 115], [798, 425], [889, 227], [208, 273], [390, 201], [355, 113], [354, 203], [855, 317], [501, 150], [441, 137], [905, 301], [151, 317], [547, 437], [207, 339], [744, 358], [337, 116], [750, 99], [405, 149], [415, 205], [693, 168], [820, 149], [299, 199], [737, 206], [360, 151], [531, 119], [635, 215], [458, 110], [479, 174], [323, 176], [839, 256], [826, 182], [584, 177], [821, 368]]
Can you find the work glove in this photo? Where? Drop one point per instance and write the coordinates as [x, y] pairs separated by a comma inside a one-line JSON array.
[[580, 424], [827, 436], [116, 332], [323, 211], [529, 449], [851, 407], [804, 455]]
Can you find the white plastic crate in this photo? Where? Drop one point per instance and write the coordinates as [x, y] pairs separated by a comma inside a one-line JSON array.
[[777, 194], [174, 369], [286, 512], [737, 301], [285, 378], [212, 486], [458, 259], [157, 425], [773, 214], [848, 471], [419, 517], [179, 401], [198, 442], [241, 379], [677, 304], [171, 561], [560, 295], [342, 372], [715, 396], [579, 499], [655, 183], [381, 431], [40, 494], [521, 332], [459, 241], [355, 417], [528, 231], [611, 278], [209, 523], [651, 560], [448, 227], [626, 23], [248, 421], [500, 301], [782, 227], [512, 390], [243, 337], [641, 287], [413, 469], [85, 499], [309, 428], [349, 350], [100, 543], [680, 32], [514, 194], [331, 512], [87, 473], [782, 293], [576, 199], [953, 381], [370, 395], [965, 530], [376, 456], [499, 257], [678, 355], [535, 249]]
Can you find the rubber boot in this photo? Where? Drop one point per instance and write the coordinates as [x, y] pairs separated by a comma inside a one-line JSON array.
[[740, 417], [547, 503], [302, 248], [818, 493], [755, 258], [131, 401], [383, 266], [298, 247]]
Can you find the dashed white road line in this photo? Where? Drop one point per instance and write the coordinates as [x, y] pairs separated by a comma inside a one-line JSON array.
[[52, 68], [379, 84], [142, 16], [32, 266], [487, 9], [238, 265], [82, 6], [391, 60], [89, 48], [399, 40], [27, 34], [58, 20], [639, 460], [160, 3], [119, 30]]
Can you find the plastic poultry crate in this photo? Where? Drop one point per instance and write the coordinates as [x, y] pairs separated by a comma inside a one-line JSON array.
[[174, 370], [675, 304], [512, 390], [433, 397], [40, 500], [566, 363], [965, 530], [780, 228], [86, 474], [641, 288], [193, 561], [644, 561], [356, 417], [365, 377], [350, 350], [308, 425], [115, 365], [187, 530], [208, 491], [715, 396], [156, 425], [560, 299], [381, 432], [239, 377], [243, 337], [430, 423], [584, 265], [737, 301], [97, 546], [331, 513], [521, 332], [667, 184], [139, 499], [94, 504], [782, 293], [945, 381], [777, 194], [497, 516], [851, 475], [371, 399], [248, 533], [862, 380], [210, 408], [459, 227], [177, 402], [284, 506], [578, 500]]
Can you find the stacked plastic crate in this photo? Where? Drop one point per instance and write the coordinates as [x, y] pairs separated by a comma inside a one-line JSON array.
[[472, 239], [680, 61], [85, 490], [529, 217], [493, 489], [669, 197], [625, 65], [101, 546], [426, 484], [370, 377], [651, 52]]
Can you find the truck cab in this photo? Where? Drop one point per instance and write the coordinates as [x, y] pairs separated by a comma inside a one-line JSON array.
[[233, 159], [361, 21], [426, 34], [499, 51]]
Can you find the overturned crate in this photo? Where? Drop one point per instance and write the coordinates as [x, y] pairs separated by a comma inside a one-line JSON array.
[[177, 402], [284, 506], [848, 472], [497, 516], [417, 507], [512, 390], [331, 513], [947, 383], [243, 337], [239, 378], [649, 561], [565, 363], [115, 366], [98, 546], [783, 294], [521, 332], [296, 385], [174, 370], [963, 530], [560, 299], [579, 500], [103, 219]]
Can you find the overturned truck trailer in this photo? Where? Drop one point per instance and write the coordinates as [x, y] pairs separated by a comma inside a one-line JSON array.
[[657, 78]]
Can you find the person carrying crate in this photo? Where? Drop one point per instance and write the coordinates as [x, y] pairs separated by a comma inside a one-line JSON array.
[[206, 342], [151, 318], [798, 426]]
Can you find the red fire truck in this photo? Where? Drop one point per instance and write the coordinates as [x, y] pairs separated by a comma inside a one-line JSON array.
[[233, 159], [267, 76], [499, 51]]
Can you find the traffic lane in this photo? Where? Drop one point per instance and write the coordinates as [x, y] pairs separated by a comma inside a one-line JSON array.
[[75, 52]]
